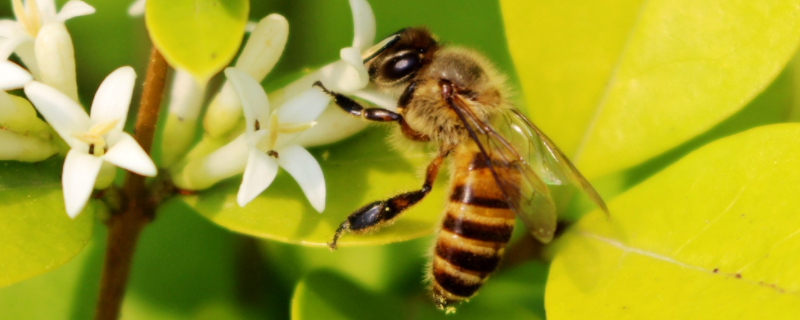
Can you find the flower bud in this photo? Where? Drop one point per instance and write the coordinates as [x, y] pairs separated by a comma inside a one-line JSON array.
[[20, 147], [260, 53], [56, 59], [18, 115], [186, 99]]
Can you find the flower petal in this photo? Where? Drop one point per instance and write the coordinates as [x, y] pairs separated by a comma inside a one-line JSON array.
[[136, 9], [10, 28], [55, 58], [65, 115], [346, 75], [113, 98], [74, 8], [258, 175], [8, 45], [303, 108], [332, 125], [126, 153], [47, 9], [12, 76], [254, 101], [264, 46], [306, 171], [80, 171], [25, 51], [363, 24], [377, 98]]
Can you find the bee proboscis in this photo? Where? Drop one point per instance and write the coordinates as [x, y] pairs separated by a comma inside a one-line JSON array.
[[502, 163]]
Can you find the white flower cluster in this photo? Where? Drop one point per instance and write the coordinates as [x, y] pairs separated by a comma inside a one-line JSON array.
[[243, 134], [275, 138], [96, 143]]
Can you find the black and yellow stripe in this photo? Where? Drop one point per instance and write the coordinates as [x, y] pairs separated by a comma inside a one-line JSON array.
[[476, 227]]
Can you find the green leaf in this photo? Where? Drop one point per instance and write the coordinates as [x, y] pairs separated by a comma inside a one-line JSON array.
[[712, 236], [199, 36], [516, 293], [184, 268], [388, 268], [36, 235], [775, 104], [68, 292], [357, 171], [616, 83], [327, 295]]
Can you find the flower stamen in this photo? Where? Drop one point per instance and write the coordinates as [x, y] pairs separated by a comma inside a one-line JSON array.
[[294, 128], [97, 144], [28, 16]]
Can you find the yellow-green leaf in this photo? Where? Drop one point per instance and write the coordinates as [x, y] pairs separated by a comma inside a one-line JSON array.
[[357, 171], [615, 83], [36, 235], [199, 36], [714, 236]]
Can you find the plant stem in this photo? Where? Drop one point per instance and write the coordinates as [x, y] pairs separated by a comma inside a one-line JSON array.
[[138, 205]]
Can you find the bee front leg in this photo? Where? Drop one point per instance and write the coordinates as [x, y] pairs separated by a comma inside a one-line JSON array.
[[383, 211], [372, 114]]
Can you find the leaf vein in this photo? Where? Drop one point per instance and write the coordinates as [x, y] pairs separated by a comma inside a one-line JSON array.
[[626, 249]]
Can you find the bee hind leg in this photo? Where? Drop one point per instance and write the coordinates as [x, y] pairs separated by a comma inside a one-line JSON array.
[[380, 212]]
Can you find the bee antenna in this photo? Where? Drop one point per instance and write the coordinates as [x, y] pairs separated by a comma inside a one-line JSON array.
[[382, 46]]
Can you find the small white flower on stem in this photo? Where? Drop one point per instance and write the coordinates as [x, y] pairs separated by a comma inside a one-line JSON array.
[[346, 75], [93, 139], [269, 138], [259, 55], [39, 38]]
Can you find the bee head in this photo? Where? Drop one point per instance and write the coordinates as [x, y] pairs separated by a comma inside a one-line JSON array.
[[397, 58]]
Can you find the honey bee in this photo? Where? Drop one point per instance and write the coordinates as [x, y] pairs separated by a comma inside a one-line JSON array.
[[502, 163]]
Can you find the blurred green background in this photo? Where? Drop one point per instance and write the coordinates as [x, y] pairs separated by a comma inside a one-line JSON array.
[[188, 268]]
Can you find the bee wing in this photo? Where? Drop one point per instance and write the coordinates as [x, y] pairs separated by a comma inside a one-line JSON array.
[[544, 156], [525, 193]]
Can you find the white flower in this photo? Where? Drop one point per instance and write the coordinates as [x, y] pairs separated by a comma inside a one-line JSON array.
[[269, 138], [346, 75], [39, 38], [259, 55], [93, 139]]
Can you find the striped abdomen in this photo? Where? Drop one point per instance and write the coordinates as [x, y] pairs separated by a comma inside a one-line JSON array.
[[476, 227]]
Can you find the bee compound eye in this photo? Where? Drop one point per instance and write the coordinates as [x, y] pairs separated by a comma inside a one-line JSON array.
[[401, 66]]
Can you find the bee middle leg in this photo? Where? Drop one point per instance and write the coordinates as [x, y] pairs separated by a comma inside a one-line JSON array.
[[374, 114], [380, 212]]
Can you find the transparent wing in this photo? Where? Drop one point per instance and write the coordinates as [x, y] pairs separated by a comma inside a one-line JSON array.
[[543, 155], [526, 194]]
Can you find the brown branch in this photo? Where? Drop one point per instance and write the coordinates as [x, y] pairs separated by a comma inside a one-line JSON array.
[[138, 207]]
